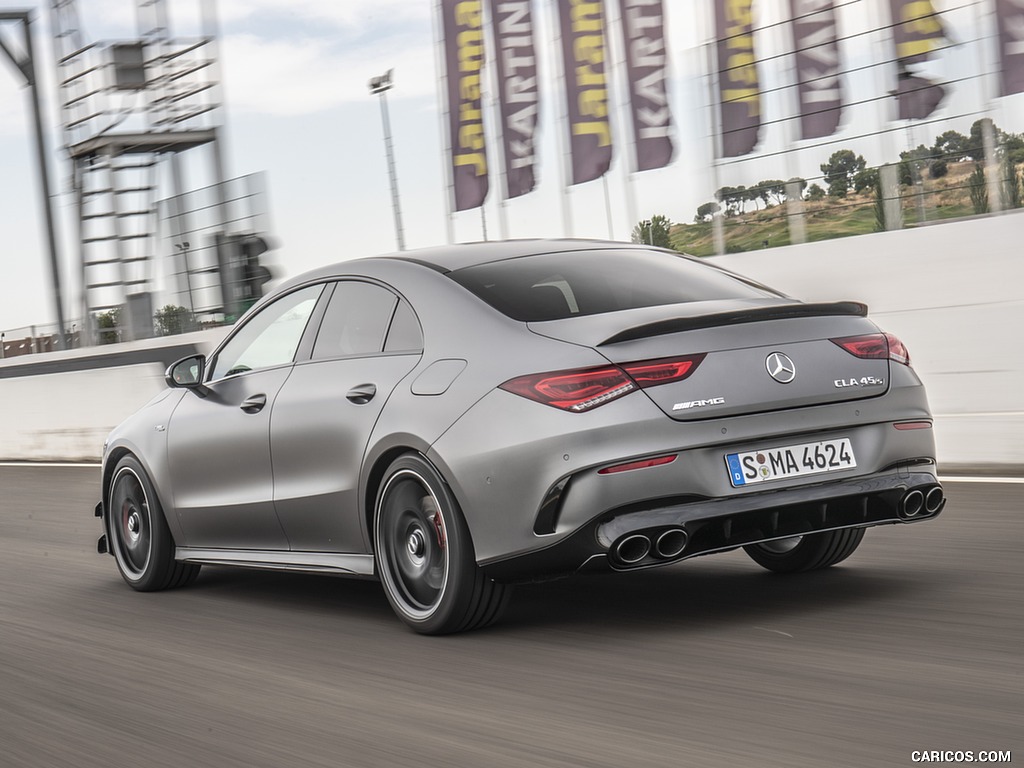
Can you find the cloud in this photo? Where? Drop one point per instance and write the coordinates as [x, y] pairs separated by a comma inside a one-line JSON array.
[[306, 75]]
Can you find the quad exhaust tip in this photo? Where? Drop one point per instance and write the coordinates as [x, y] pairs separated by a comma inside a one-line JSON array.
[[671, 543], [912, 504], [633, 549], [934, 499]]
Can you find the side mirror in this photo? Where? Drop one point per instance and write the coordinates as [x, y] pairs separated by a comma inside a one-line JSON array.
[[187, 373]]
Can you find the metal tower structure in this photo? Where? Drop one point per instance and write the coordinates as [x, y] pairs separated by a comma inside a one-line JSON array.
[[126, 107]]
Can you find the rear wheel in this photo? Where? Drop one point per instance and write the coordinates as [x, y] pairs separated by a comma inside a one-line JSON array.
[[140, 539], [806, 553], [425, 556]]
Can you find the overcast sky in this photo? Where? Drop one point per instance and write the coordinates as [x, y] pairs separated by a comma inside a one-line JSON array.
[[295, 85]]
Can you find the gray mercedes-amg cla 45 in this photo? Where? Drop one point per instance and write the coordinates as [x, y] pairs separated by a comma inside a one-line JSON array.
[[453, 420]]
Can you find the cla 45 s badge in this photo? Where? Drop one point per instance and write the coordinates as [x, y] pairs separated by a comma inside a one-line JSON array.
[[864, 381]]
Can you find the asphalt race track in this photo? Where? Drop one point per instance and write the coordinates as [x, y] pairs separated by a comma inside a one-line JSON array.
[[915, 643]]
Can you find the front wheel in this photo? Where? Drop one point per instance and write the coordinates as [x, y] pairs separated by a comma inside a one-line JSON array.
[[806, 553], [140, 539], [425, 556]]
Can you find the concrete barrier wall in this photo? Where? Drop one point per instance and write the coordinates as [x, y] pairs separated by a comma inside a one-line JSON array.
[[60, 406], [953, 292]]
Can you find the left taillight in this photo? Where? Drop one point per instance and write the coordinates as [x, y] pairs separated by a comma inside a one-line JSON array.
[[875, 346], [584, 389]]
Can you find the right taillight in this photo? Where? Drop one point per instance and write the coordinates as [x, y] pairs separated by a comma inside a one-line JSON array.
[[875, 346], [586, 388]]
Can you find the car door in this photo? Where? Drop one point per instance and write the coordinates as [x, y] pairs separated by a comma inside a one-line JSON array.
[[368, 342], [219, 438]]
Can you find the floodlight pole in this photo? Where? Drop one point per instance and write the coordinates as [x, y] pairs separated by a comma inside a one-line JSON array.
[[26, 65], [380, 86]]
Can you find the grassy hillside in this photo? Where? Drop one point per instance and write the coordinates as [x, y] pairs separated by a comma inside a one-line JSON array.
[[944, 198]]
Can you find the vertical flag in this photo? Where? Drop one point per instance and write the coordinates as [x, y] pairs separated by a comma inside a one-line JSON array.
[[462, 22], [518, 95], [586, 87], [917, 33], [643, 25], [1010, 17], [817, 66], [739, 92]]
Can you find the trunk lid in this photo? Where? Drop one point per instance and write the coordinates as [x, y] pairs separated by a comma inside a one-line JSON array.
[[760, 354]]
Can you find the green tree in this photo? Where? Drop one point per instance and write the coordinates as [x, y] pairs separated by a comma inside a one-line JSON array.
[[951, 145], [840, 169], [979, 192], [654, 231], [865, 180], [938, 168], [172, 320], [976, 141], [772, 191], [815, 192], [1011, 183], [706, 212], [109, 325]]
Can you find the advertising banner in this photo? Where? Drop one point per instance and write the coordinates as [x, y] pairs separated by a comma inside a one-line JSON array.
[[462, 23], [643, 27], [518, 95], [584, 56], [738, 85], [1010, 18], [819, 88]]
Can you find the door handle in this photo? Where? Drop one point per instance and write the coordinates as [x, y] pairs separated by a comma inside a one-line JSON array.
[[253, 403], [362, 394]]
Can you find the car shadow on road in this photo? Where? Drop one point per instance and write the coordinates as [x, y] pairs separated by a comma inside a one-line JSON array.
[[688, 596]]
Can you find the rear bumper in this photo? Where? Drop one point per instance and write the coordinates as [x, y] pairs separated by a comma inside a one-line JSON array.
[[716, 525]]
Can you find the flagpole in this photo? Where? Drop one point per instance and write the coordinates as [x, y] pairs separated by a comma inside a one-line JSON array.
[[615, 34], [794, 207], [446, 168], [567, 227], [491, 53], [717, 222]]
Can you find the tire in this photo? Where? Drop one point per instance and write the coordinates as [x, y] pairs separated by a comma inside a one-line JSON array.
[[806, 553], [424, 554], [139, 537]]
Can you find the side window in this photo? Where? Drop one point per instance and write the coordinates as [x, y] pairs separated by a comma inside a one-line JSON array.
[[269, 338], [405, 334], [355, 322]]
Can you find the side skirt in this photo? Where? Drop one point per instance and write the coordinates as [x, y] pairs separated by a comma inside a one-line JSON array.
[[309, 562]]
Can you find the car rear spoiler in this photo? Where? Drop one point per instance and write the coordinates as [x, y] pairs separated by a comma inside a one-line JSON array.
[[736, 317]]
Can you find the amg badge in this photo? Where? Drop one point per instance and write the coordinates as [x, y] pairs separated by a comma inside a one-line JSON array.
[[698, 403]]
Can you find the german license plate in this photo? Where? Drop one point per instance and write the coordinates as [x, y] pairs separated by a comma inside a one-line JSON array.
[[789, 461]]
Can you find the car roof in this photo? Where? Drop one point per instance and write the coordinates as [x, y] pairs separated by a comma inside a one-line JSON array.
[[447, 258]]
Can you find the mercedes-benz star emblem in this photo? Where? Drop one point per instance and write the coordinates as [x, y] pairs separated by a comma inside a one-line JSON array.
[[780, 367]]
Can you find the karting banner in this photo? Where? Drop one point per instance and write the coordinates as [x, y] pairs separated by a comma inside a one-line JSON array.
[[462, 23], [643, 26], [738, 88], [584, 52], [916, 29], [518, 95], [917, 32], [817, 67], [1010, 18]]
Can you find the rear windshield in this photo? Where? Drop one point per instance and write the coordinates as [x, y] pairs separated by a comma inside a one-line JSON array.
[[553, 286]]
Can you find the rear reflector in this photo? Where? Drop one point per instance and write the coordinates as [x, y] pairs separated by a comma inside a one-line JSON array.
[[586, 388], [913, 425], [875, 346], [644, 464]]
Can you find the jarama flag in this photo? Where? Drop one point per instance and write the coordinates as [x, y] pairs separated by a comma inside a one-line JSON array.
[[643, 27], [819, 87], [518, 94], [917, 33], [584, 57], [1010, 19], [462, 24], [738, 84]]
